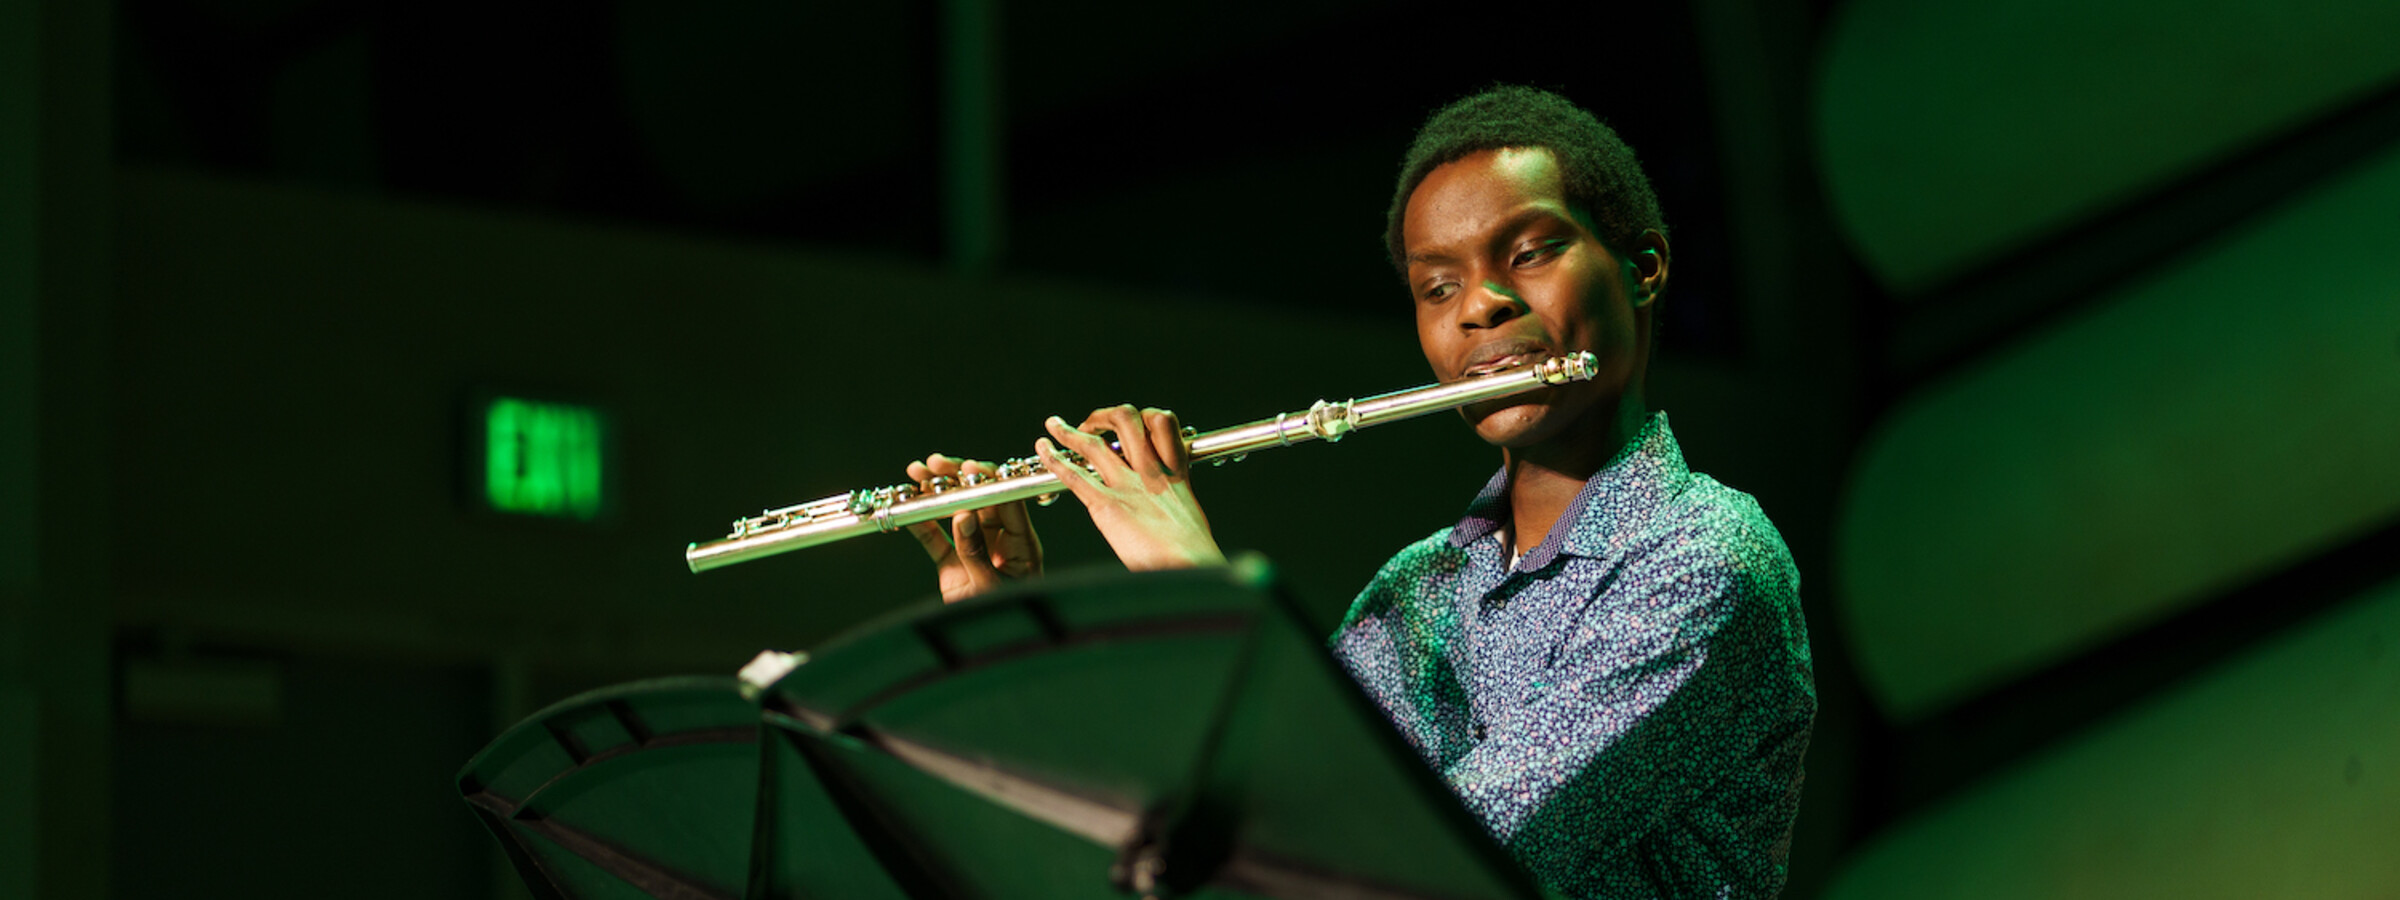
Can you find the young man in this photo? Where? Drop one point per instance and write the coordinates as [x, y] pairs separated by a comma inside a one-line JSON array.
[[1605, 656]]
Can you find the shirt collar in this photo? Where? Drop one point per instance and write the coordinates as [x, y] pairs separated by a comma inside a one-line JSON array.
[[1618, 497]]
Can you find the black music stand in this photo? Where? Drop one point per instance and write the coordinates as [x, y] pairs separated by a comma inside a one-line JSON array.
[[640, 790], [1161, 734]]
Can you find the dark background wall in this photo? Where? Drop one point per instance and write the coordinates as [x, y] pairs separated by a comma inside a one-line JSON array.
[[2064, 359]]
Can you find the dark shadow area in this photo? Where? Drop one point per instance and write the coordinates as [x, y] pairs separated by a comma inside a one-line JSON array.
[[334, 778]]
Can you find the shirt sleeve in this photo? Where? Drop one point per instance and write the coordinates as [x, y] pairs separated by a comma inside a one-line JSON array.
[[1684, 670], [1389, 640]]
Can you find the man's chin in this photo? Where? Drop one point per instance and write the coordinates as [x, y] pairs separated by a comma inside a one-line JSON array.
[[1507, 424]]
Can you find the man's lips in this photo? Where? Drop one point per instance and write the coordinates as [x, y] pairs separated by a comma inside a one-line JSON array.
[[1507, 353], [1502, 364]]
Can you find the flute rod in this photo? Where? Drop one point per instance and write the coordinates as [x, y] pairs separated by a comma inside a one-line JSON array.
[[867, 512]]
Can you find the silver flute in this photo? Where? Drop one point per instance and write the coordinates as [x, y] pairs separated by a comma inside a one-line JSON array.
[[891, 508]]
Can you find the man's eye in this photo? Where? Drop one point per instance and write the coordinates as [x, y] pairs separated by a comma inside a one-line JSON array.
[[1441, 291], [1537, 253]]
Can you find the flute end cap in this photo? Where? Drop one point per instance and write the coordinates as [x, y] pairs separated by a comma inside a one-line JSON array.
[[1581, 365]]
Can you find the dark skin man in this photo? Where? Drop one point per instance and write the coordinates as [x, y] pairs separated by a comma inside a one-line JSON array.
[[1504, 272]]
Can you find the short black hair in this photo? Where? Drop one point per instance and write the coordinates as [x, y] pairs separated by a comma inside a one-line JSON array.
[[1603, 180]]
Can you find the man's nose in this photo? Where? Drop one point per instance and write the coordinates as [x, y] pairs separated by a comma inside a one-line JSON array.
[[1492, 304]]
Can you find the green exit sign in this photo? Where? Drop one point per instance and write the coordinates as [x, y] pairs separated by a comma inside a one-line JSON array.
[[542, 458]]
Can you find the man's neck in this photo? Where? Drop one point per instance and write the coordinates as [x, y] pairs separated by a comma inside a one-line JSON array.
[[1544, 479]]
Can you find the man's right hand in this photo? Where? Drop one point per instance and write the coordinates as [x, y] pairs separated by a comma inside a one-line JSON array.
[[1140, 493], [982, 547]]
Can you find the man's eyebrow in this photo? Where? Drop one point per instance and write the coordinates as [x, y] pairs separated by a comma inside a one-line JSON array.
[[1528, 216], [1503, 233]]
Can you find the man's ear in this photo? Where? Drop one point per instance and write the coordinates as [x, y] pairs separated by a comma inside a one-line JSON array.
[[1649, 263]]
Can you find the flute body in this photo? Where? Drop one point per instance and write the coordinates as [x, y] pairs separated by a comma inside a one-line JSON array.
[[891, 508]]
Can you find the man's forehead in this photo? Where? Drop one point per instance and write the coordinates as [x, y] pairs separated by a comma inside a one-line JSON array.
[[1481, 190], [1530, 167]]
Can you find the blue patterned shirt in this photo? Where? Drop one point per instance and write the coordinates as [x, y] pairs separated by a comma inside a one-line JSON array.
[[1627, 706]]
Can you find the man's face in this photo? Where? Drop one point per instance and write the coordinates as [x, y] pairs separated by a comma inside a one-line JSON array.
[[1505, 274]]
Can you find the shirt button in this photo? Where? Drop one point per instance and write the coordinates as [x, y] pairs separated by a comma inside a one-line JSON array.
[[1479, 731]]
